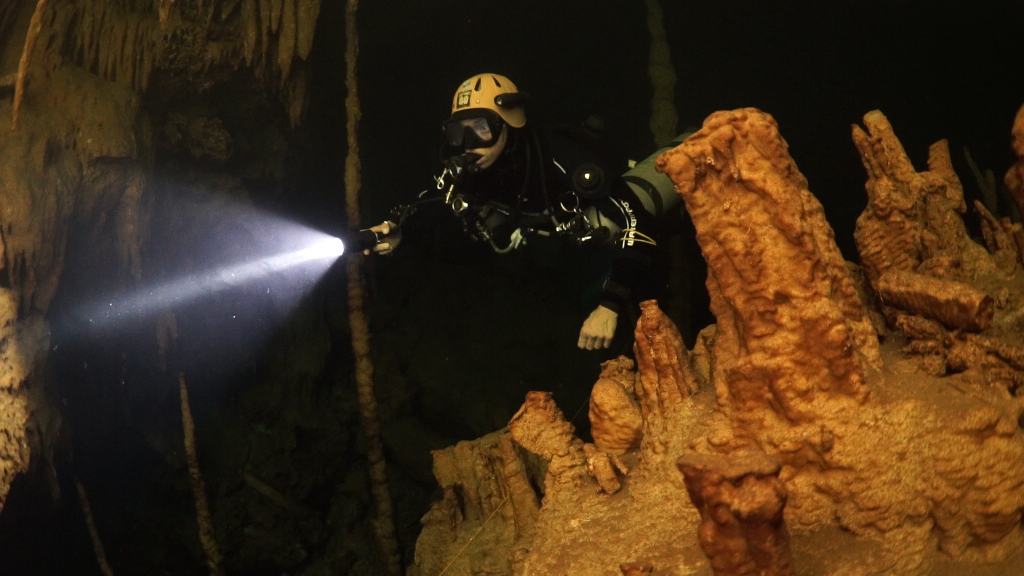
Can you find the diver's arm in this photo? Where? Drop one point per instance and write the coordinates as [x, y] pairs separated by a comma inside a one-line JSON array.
[[634, 252], [412, 220]]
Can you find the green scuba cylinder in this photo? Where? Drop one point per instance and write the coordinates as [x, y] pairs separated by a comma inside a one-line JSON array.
[[654, 189]]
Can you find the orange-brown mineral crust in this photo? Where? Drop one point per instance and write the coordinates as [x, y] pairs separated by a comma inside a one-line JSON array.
[[615, 420], [1015, 176], [791, 326], [740, 499]]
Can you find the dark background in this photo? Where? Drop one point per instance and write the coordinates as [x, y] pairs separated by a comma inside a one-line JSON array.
[[950, 70]]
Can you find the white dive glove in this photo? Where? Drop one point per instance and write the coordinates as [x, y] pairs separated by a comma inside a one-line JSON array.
[[392, 236], [598, 329]]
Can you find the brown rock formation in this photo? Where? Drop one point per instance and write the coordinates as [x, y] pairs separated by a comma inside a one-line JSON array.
[[955, 304], [843, 449], [488, 500], [912, 219], [666, 378], [1014, 178], [897, 458], [615, 420], [540, 427], [791, 329], [740, 499]]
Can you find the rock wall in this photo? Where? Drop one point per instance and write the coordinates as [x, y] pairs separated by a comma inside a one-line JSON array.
[[76, 167], [71, 167]]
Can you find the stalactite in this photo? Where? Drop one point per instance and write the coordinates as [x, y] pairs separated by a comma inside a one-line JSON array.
[[384, 522], [276, 6], [205, 519], [227, 8], [306, 16], [250, 30], [109, 40], [121, 42], [295, 94], [165, 12], [34, 27], [286, 39], [265, 18]]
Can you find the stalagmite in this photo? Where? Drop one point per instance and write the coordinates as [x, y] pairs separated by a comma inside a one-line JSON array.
[[384, 522], [999, 238], [1014, 178], [34, 27], [486, 489], [741, 500], [94, 536], [615, 420], [665, 380], [207, 537], [912, 221], [779, 287]]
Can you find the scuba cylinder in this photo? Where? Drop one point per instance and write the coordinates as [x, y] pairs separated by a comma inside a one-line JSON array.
[[655, 190]]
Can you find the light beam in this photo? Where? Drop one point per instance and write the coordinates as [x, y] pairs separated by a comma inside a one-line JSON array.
[[316, 250]]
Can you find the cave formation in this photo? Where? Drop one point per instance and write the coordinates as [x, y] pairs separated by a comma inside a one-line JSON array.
[[837, 418]]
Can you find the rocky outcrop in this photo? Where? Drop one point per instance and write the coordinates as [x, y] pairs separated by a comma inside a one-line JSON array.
[[792, 332], [1014, 178], [893, 457], [488, 500], [740, 499]]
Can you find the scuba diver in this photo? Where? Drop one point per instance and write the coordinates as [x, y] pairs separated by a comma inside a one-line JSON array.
[[505, 180]]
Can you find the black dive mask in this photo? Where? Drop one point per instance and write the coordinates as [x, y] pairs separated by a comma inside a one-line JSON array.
[[472, 129]]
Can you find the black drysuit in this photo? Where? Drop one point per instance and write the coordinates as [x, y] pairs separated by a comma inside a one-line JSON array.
[[530, 188]]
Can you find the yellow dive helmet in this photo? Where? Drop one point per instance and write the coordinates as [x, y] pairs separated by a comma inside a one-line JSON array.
[[492, 92]]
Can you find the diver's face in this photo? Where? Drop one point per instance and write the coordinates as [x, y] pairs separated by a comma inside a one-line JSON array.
[[488, 156]]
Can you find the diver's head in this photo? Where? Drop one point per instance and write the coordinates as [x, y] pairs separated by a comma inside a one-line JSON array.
[[483, 109]]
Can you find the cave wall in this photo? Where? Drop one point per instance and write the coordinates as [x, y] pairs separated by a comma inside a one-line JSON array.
[[77, 172]]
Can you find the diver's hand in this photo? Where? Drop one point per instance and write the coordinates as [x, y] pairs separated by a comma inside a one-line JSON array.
[[598, 329], [392, 236]]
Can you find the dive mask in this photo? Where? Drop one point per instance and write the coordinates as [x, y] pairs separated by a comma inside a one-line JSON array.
[[472, 129]]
